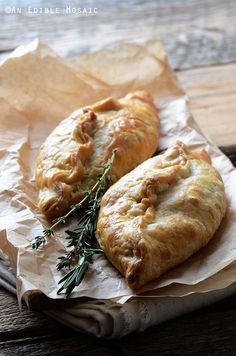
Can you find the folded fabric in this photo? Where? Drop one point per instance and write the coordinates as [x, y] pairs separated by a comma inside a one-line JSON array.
[[108, 319]]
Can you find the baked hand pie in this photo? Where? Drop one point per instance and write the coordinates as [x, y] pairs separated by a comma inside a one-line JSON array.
[[161, 213], [74, 154]]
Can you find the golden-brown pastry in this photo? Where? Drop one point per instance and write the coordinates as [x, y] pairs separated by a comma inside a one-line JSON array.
[[75, 152], [162, 212]]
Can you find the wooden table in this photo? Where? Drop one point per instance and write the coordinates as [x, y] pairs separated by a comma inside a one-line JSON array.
[[200, 38]]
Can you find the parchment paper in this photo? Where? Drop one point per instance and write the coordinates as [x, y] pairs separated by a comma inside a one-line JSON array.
[[38, 89]]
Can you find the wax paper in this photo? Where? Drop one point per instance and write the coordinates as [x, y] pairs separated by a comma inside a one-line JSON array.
[[39, 89]]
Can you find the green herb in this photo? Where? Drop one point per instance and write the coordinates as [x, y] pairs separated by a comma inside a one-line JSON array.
[[41, 240], [80, 247]]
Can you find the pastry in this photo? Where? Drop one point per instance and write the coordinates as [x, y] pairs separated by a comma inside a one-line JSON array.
[[161, 213], [75, 152]]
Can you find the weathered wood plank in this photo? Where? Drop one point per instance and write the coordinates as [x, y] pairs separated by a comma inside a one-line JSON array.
[[71, 346], [212, 93], [15, 324], [185, 27], [209, 331], [195, 33]]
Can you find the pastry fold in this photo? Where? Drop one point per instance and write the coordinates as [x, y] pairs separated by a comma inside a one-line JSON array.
[[161, 213], [74, 154]]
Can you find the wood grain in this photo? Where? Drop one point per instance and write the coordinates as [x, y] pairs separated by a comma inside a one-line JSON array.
[[212, 93], [195, 33], [210, 331], [15, 324]]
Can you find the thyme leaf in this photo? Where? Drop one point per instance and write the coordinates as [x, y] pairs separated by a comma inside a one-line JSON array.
[[81, 241]]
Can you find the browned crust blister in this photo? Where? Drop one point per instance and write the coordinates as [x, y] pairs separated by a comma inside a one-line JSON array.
[[74, 153], [161, 213]]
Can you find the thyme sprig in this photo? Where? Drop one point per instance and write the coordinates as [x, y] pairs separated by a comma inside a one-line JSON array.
[[81, 241]]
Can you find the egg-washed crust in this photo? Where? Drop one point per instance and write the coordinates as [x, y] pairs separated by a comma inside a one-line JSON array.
[[75, 152], [161, 213]]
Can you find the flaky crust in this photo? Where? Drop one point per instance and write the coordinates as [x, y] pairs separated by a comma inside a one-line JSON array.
[[74, 153], [161, 213]]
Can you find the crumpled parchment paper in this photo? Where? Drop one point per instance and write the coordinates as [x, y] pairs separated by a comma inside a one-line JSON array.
[[38, 89]]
